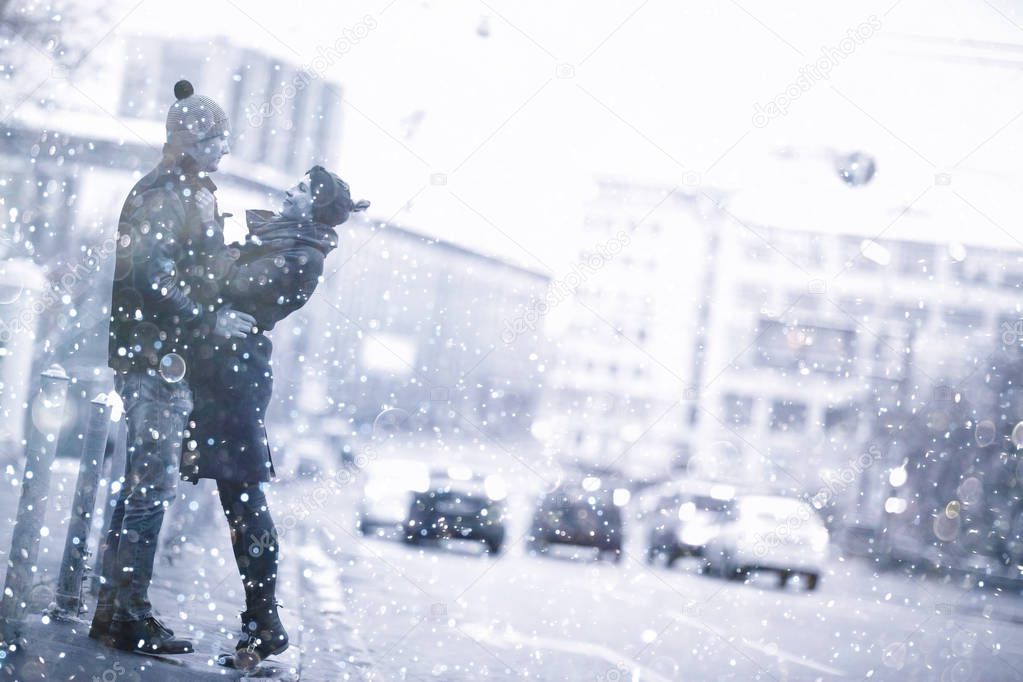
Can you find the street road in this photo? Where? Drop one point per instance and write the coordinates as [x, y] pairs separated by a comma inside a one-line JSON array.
[[449, 612]]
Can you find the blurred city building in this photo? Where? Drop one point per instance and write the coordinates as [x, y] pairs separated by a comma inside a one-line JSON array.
[[411, 327], [831, 326], [724, 345], [630, 323], [69, 159], [284, 116], [22, 295]]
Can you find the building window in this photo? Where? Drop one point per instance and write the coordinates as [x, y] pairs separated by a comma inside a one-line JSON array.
[[299, 116], [53, 218], [759, 252], [329, 95], [751, 296], [830, 351], [773, 347], [976, 267], [841, 417], [802, 248], [788, 416], [855, 307], [267, 132], [680, 460], [1012, 277], [819, 349], [890, 357], [964, 318], [738, 409], [178, 61], [915, 314], [237, 98], [864, 255], [916, 260], [799, 300], [136, 93]]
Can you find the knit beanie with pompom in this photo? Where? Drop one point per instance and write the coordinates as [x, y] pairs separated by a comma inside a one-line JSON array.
[[193, 118]]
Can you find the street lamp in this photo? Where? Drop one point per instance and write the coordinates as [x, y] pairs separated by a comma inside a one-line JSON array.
[[855, 168]]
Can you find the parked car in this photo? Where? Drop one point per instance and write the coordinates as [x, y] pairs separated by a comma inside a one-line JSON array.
[[684, 520], [388, 486], [459, 504], [585, 513], [771, 533], [309, 457], [337, 433]]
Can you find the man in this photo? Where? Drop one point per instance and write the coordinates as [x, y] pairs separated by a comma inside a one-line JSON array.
[[163, 308]]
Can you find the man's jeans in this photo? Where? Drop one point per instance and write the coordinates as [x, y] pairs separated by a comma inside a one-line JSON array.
[[156, 413]]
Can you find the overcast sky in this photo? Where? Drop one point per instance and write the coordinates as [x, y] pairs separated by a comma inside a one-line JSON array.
[[652, 91]]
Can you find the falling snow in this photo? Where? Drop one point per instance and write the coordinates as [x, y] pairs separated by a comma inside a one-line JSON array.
[[700, 359]]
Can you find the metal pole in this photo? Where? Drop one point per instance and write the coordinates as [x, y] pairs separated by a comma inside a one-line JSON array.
[[76, 546], [47, 414], [115, 474]]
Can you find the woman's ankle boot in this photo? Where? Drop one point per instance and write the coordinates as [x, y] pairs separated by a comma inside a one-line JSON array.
[[263, 635]]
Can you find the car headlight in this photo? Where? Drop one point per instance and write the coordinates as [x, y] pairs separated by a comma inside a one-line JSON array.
[[495, 487], [419, 483], [696, 536], [392, 508], [459, 473], [381, 489], [397, 486], [687, 511]]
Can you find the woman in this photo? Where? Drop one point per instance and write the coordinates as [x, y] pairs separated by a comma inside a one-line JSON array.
[[272, 274]]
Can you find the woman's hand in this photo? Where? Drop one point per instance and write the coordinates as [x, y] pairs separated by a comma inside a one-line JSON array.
[[233, 324]]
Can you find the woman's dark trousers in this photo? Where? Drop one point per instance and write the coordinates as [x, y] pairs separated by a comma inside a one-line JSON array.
[[253, 538]]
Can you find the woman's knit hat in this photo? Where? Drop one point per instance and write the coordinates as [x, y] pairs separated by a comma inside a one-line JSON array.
[[194, 117], [332, 200]]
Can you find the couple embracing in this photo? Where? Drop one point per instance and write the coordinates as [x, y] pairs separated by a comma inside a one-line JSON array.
[[192, 366]]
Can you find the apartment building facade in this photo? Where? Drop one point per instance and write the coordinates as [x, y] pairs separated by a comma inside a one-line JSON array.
[[718, 345]]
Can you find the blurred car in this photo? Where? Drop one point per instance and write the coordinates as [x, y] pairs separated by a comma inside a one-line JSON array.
[[585, 513], [337, 433], [458, 503], [684, 520], [770, 533], [388, 486], [309, 457]]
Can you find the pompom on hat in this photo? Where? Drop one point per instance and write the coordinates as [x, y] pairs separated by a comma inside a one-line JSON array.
[[193, 117], [332, 199]]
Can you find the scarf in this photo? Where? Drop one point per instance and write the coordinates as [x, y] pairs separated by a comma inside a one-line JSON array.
[[270, 231]]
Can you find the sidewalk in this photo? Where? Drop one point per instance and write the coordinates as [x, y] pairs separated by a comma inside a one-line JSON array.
[[197, 594], [949, 594]]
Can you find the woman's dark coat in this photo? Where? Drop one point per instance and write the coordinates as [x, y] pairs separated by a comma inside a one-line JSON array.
[[276, 271]]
